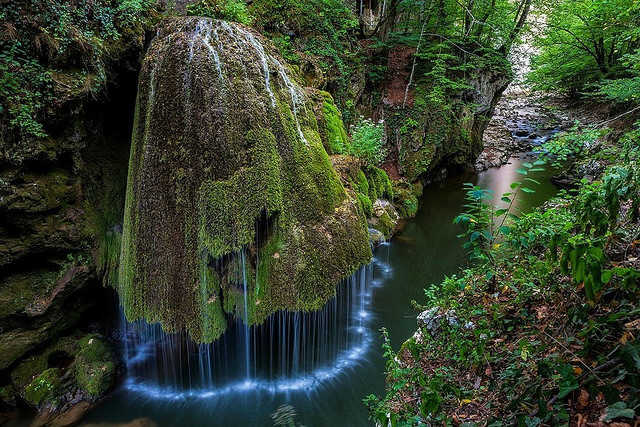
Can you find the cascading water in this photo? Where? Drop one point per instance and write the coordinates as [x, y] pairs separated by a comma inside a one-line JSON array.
[[289, 351], [234, 220]]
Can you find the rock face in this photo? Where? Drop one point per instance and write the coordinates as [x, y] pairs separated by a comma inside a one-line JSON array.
[[58, 199], [233, 207], [425, 135]]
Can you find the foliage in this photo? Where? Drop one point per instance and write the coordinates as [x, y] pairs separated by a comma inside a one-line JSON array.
[[584, 42], [229, 10], [484, 224], [367, 142], [625, 89], [565, 145], [322, 32], [553, 339], [56, 51]]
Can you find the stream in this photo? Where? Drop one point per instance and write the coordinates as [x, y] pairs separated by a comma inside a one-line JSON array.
[[423, 253]]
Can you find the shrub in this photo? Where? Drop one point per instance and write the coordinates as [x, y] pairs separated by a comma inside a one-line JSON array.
[[367, 142], [228, 10]]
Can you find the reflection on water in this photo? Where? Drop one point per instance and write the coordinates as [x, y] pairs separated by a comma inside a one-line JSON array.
[[499, 181], [423, 253]]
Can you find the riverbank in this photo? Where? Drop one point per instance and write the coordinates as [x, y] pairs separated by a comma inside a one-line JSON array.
[[544, 333]]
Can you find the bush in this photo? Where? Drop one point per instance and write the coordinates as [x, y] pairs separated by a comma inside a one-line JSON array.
[[228, 10], [367, 142]]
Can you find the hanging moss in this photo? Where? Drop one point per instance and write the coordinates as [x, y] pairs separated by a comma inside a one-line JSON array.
[[229, 181], [330, 125], [379, 184]]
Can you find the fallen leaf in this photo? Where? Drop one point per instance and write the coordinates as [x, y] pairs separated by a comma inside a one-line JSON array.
[[625, 337], [633, 325], [583, 399], [577, 370]]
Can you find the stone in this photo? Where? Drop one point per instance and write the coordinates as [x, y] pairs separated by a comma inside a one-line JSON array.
[[433, 319], [247, 176]]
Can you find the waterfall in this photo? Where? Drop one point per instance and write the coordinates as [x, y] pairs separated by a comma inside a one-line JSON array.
[[247, 352], [290, 351], [296, 94]]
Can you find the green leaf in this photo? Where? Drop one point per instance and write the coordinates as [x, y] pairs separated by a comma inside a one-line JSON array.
[[532, 422], [506, 199], [505, 229], [528, 190], [618, 410], [515, 185], [527, 165], [532, 180], [522, 171]]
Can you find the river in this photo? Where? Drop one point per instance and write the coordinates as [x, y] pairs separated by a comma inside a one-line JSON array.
[[424, 252]]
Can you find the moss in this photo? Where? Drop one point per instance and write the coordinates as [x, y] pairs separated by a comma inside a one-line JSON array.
[[405, 202], [385, 224], [20, 290], [332, 130], [197, 198], [407, 197], [94, 366], [44, 388], [365, 204], [362, 185], [379, 184]]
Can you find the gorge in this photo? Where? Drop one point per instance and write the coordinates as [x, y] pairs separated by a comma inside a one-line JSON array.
[[220, 212]]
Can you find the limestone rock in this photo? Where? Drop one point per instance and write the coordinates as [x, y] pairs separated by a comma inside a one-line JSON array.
[[228, 150]]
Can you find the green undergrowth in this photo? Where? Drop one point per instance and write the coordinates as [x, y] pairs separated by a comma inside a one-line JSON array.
[[541, 330], [55, 52]]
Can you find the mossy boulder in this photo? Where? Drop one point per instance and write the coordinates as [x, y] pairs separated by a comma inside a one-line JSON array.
[[230, 187], [406, 197], [75, 368], [385, 218], [94, 366], [44, 388]]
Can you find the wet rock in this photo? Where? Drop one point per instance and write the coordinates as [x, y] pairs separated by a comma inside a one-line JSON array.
[[433, 319], [385, 218], [376, 237]]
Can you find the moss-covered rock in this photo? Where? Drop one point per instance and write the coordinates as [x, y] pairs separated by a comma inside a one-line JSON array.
[[44, 388], [385, 218], [94, 366], [230, 187], [426, 135], [74, 368], [330, 126], [406, 197]]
